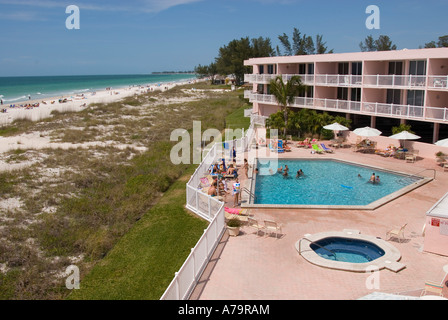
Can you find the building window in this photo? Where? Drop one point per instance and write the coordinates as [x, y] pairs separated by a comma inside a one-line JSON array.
[[302, 68], [417, 68], [342, 93], [310, 92], [271, 69], [396, 67], [260, 69], [355, 94], [416, 97], [357, 68], [393, 96], [310, 68], [343, 68]]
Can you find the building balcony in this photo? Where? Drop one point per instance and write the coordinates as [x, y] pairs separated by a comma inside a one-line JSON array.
[[307, 79], [430, 114], [370, 81], [438, 82], [395, 81], [344, 80]]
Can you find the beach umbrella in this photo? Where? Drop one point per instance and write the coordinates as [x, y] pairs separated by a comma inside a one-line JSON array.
[[367, 132], [442, 143], [335, 127], [405, 135]]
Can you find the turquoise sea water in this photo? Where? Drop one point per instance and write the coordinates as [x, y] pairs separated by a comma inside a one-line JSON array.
[[325, 182], [14, 89]]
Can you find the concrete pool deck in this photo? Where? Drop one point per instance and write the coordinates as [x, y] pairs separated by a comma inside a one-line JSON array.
[[259, 267]]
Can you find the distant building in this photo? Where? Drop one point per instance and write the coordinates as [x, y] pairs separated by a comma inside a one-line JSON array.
[[228, 80]]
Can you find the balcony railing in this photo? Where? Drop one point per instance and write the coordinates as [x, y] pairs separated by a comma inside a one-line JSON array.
[[392, 81], [339, 80], [375, 81], [367, 108], [438, 82], [266, 78]]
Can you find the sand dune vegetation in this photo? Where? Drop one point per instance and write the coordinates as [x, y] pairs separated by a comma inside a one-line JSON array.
[[73, 185]]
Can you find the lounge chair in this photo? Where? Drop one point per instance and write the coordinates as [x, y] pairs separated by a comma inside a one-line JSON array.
[[317, 149], [325, 148], [412, 157], [272, 227], [396, 233], [432, 288], [280, 148], [253, 223]]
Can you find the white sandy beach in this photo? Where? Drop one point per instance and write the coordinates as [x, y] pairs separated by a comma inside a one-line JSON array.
[[41, 139], [75, 102]]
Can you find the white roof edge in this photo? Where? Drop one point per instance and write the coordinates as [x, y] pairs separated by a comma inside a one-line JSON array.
[[427, 53], [440, 208]]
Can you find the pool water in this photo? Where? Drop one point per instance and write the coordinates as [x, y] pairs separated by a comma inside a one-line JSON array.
[[347, 250], [325, 182]]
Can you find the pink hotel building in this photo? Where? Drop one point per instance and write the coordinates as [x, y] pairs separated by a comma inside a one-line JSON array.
[[401, 86]]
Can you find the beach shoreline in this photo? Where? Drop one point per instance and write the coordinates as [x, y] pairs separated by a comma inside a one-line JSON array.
[[38, 109]]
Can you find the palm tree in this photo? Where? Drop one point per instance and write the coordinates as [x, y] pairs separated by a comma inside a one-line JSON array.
[[285, 93]]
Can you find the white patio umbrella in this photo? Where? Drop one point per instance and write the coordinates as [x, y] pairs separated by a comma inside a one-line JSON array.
[[405, 135], [442, 143], [335, 127], [367, 132]]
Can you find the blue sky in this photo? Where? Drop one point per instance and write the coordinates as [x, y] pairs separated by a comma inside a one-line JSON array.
[[142, 36]]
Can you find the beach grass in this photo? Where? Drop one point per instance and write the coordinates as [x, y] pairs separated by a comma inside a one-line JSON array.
[[144, 261], [87, 205]]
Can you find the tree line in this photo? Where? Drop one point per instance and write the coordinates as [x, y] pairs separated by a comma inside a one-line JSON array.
[[230, 59]]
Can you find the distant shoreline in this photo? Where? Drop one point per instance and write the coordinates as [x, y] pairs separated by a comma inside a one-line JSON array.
[[174, 72], [17, 90], [77, 102]]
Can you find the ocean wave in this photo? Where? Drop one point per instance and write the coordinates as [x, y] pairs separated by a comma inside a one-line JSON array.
[[81, 90], [22, 98]]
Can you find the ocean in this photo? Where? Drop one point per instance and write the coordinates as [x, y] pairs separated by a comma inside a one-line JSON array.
[[15, 89]]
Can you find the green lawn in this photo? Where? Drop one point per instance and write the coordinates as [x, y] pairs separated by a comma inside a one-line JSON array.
[[236, 120], [143, 262]]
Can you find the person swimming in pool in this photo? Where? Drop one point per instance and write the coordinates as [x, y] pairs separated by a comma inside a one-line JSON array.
[[285, 172], [372, 178], [299, 173]]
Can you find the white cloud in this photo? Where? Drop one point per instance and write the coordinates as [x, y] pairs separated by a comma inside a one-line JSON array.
[[22, 16], [152, 6], [160, 5]]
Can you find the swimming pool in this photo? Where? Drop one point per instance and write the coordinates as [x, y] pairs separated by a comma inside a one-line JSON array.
[[327, 183], [347, 250]]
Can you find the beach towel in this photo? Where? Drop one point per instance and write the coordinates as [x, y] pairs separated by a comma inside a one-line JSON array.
[[235, 211], [205, 182]]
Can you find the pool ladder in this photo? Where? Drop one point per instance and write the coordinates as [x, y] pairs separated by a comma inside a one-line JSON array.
[[312, 242], [417, 175], [251, 194]]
